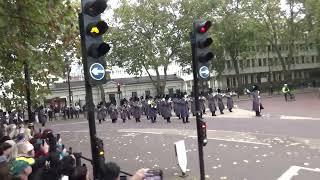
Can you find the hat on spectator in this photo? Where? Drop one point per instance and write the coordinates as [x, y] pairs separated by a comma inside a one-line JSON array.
[[18, 166], [24, 148]]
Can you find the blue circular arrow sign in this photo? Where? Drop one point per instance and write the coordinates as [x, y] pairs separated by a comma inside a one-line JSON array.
[[97, 71], [204, 72]]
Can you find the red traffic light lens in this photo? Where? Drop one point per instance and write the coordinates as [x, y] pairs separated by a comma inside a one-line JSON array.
[[203, 30], [95, 8], [204, 27], [204, 125]]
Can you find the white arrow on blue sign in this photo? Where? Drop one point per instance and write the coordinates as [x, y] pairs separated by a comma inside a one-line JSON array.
[[204, 72], [97, 71]]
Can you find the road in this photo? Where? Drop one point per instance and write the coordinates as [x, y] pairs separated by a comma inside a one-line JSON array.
[[283, 144]]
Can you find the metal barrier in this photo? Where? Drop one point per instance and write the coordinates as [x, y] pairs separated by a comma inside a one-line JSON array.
[[79, 156]]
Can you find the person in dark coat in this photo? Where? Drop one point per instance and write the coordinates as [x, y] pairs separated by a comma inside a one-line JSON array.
[[202, 101], [153, 110], [167, 108], [136, 109], [184, 109], [211, 102], [219, 98], [176, 109], [42, 116], [123, 111], [256, 104], [113, 113], [229, 100], [100, 113]]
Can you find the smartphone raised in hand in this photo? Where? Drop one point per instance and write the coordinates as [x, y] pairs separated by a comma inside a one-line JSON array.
[[153, 175]]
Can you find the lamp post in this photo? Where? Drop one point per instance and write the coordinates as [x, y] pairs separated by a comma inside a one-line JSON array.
[[68, 68]]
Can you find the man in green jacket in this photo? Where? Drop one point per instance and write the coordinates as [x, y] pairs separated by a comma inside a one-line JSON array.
[[286, 91]]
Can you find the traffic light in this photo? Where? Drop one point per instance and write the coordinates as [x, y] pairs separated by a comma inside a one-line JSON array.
[[100, 149], [202, 48], [95, 47], [204, 132]]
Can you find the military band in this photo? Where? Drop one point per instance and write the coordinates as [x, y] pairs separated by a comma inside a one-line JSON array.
[[182, 105]]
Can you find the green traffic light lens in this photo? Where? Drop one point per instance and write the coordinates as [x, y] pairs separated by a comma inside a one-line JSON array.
[[103, 49]]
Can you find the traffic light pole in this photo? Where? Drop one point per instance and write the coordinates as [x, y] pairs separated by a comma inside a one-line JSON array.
[[197, 104], [89, 103]]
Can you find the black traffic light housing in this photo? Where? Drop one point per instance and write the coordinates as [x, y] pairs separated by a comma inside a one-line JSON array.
[[94, 47], [204, 132], [202, 48]]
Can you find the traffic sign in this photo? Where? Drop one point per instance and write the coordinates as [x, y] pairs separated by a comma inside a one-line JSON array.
[[204, 72], [97, 71]]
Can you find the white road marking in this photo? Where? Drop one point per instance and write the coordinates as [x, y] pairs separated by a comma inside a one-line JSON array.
[[233, 140], [140, 131], [298, 118], [294, 171], [65, 124]]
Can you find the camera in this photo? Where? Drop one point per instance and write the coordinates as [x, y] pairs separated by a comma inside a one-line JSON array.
[[153, 175]]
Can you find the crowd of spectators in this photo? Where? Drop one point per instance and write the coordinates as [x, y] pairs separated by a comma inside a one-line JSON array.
[[42, 156]]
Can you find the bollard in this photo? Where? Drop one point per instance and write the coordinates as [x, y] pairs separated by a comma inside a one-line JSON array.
[[78, 158]]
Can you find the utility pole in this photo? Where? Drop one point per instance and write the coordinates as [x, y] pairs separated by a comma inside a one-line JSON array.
[[69, 86]]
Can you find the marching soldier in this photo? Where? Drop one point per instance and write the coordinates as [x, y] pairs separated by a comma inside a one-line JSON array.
[[219, 97], [256, 103], [211, 102], [136, 106], [113, 113], [193, 105], [153, 110], [100, 112], [229, 100], [184, 109], [167, 108], [202, 106], [123, 111], [176, 105]]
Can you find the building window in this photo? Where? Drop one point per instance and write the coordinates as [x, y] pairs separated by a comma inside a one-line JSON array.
[[297, 60], [248, 63], [312, 59], [270, 61], [264, 62], [318, 59], [147, 93], [241, 64], [134, 94], [253, 62], [228, 65], [170, 90], [228, 82], [276, 61], [260, 62], [302, 59]]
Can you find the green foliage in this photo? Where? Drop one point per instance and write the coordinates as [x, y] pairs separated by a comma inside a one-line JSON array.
[[37, 33]]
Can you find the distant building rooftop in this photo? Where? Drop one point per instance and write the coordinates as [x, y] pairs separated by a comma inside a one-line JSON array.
[[122, 81]]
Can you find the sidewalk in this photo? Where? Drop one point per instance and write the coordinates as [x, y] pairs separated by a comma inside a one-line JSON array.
[[275, 94]]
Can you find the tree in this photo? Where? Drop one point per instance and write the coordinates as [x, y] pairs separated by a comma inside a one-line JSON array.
[[33, 33], [149, 35], [234, 34], [277, 27], [146, 38]]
